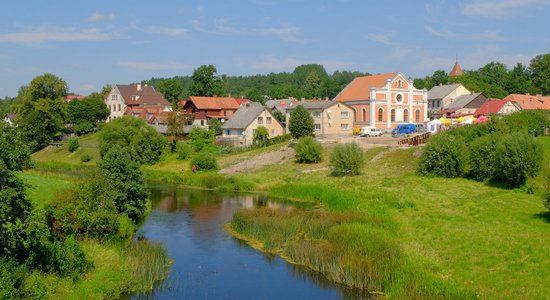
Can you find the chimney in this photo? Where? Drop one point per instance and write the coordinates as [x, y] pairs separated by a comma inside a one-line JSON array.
[[138, 86]]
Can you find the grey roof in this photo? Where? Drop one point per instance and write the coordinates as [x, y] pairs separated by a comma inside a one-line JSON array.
[[247, 113], [462, 101], [442, 91], [314, 104], [277, 104]]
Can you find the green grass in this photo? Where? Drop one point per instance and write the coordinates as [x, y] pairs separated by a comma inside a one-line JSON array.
[[42, 189], [88, 145]]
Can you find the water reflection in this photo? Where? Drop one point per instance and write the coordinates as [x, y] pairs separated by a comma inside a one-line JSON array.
[[208, 263]]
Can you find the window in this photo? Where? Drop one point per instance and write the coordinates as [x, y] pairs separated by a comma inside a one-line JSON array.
[[364, 115], [228, 132], [317, 126], [399, 98], [272, 132], [392, 118], [260, 120], [344, 126], [380, 115], [114, 97], [417, 116], [268, 120], [344, 114], [406, 115], [316, 114], [119, 107]]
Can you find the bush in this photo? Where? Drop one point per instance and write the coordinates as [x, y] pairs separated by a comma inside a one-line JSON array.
[[86, 157], [183, 150], [73, 144], [261, 136], [83, 128], [518, 156], [444, 155], [347, 159], [547, 193], [301, 123], [204, 161], [69, 259], [308, 150], [11, 279], [483, 157]]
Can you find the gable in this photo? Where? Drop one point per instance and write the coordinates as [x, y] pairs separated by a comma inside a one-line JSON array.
[[399, 82]]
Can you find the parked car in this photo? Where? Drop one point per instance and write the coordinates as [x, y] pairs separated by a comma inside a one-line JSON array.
[[420, 127], [371, 131], [403, 129]]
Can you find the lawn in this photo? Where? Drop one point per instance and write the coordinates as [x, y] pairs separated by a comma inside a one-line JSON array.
[[88, 146]]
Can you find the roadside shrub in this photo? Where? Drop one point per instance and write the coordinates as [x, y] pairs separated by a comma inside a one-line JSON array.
[[518, 156], [444, 155], [204, 161], [86, 157], [183, 150], [483, 157], [347, 159], [73, 144], [308, 150]]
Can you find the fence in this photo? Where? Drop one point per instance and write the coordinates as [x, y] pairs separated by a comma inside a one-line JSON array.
[[415, 140]]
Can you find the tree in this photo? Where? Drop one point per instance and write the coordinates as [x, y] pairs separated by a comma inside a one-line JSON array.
[[519, 80], [143, 142], [540, 73], [439, 77], [172, 90], [14, 150], [255, 95], [261, 136], [301, 123], [215, 126], [206, 82], [279, 116], [312, 85], [47, 86], [127, 179], [176, 122], [89, 110]]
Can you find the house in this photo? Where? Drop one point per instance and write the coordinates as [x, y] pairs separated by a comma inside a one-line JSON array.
[[10, 119], [221, 108], [155, 116], [240, 101], [464, 105], [239, 130], [530, 102], [456, 71], [280, 104], [440, 96], [498, 107], [385, 100], [122, 97], [329, 117]]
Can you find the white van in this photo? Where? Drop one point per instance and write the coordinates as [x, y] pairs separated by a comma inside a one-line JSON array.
[[371, 131]]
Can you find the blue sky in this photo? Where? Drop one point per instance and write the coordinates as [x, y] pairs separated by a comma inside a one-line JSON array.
[[93, 43]]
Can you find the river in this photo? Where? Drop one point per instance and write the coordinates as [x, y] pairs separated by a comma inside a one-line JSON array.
[[211, 264]]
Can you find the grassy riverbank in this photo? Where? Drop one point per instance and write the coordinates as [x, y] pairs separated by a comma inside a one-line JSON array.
[[119, 267]]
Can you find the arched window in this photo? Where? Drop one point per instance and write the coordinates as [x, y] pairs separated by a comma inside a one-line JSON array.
[[380, 115], [364, 111], [392, 115], [417, 116], [406, 115]]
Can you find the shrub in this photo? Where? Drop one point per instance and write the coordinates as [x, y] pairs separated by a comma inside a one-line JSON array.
[[83, 128], [518, 156], [547, 193], [261, 136], [183, 150], [73, 144], [301, 123], [204, 161], [308, 150], [347, 159], [444, 155], [280, 138], [126, 227], [483, 157], [11, 279], [86, 157], [69, 259]]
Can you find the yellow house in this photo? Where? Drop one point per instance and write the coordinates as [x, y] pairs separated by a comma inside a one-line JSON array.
[[329, 117], [239, 130]]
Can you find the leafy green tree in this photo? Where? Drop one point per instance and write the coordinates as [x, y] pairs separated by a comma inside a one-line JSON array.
[[439, 77], [87, 112], [172, 91], [540, 73], [519, 80], [519, 156], [143, 143], [301, 123], [14, 150], [215, 126], [444, 155], [206, 82], [176, 122], [347, 159], [105, 91], [261, 136], [308, 150], [128, 180], [47, 86], [255, 95], [312, 85], [279, 116]]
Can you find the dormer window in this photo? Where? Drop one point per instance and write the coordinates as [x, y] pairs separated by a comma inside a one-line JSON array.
[[135, 97]]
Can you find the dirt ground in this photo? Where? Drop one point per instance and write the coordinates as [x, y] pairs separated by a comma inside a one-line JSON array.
[[286, 153]]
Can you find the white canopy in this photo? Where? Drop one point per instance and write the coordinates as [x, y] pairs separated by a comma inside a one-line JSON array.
[[434, 125]]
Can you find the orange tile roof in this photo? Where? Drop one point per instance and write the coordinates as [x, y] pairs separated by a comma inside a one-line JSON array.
[[214, 102], [456, 71], [530, 101], [359, 88]]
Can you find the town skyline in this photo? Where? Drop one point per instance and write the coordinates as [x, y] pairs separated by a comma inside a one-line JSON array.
[[93, 44]]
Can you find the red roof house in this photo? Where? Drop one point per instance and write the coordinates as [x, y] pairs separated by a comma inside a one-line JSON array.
[[497, 107], [530, 101], [221, 108]]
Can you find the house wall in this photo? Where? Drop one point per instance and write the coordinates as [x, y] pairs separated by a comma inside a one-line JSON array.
[[274, 128], [115, 103], [508, 108], [335, 121], [461, 90]]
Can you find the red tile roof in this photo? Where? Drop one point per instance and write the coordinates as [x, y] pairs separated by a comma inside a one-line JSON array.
[[74, 97], [146, 95], [530, 101], [456, 71], [214, 102], [492, 106], [359, 88], [241, 101]]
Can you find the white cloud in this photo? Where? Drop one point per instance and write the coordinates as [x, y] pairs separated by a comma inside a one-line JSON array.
[[380, 38], [37, 36], [170, 31], [85, 88], [284, 32], [499, 8], [146, 66], [271, 64], [483, 35], [98, 17]]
